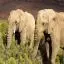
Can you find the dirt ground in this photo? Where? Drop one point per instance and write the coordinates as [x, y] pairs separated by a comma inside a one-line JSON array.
[[32, 7]]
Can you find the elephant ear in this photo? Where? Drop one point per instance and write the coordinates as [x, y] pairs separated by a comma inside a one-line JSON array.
[[22, 22], [51, 25], [51, 14]]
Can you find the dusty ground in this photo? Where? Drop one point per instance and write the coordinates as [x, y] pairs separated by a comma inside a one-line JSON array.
[[31, 7]]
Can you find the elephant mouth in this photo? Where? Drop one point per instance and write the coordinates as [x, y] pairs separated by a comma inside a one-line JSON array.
[[17, 36], [47, 36], [45, 31]]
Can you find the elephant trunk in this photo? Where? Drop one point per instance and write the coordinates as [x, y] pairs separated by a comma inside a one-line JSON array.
[[36, 40]]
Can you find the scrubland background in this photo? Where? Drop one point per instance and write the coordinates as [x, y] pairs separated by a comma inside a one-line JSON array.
[[17, 54]]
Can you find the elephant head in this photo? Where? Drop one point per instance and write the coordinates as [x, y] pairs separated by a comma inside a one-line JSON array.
[[46, 19], [15, 19]]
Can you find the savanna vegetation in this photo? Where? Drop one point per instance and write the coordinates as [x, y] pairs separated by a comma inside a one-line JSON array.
[[17, 54]]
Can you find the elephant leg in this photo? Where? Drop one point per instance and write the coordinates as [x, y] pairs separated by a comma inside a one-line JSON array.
[[9, 37], [35, 50], [31, 40], [55, 48], [23, 37]]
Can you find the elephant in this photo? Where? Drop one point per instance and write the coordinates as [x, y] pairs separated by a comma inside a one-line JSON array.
[[13, 21], [23, 22], [28, 29], [42, 18], [51, 22]]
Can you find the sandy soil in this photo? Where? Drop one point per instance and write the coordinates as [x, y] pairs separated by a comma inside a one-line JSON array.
[[32, 7]]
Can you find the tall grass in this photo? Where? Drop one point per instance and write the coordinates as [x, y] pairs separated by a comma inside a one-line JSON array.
[[17, 54]]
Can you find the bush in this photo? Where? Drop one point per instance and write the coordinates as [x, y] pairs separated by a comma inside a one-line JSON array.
[[3, 31], [2, 61], [11, 60], [19, 54]]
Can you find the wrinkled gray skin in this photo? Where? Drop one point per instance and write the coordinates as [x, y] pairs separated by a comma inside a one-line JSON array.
[[23, 21], [52, 22]]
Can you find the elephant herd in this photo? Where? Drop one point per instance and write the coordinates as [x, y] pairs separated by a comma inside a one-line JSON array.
[[32, 30]]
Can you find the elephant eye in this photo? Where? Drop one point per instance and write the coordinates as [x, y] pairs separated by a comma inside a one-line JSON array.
[[16, 22], [54, 19], [43, 23]]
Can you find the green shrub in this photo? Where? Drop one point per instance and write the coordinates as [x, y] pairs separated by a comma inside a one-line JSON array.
[[3, 31], [18, 54], [2, 61], [13, 50], [11, 60]]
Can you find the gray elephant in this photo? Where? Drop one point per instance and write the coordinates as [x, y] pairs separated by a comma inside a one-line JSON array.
[[24, 22], [53, 23]]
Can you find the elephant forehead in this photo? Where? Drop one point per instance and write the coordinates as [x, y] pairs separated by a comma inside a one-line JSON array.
[[14, 16], [22, 18], [48, 12], [44, 18]]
